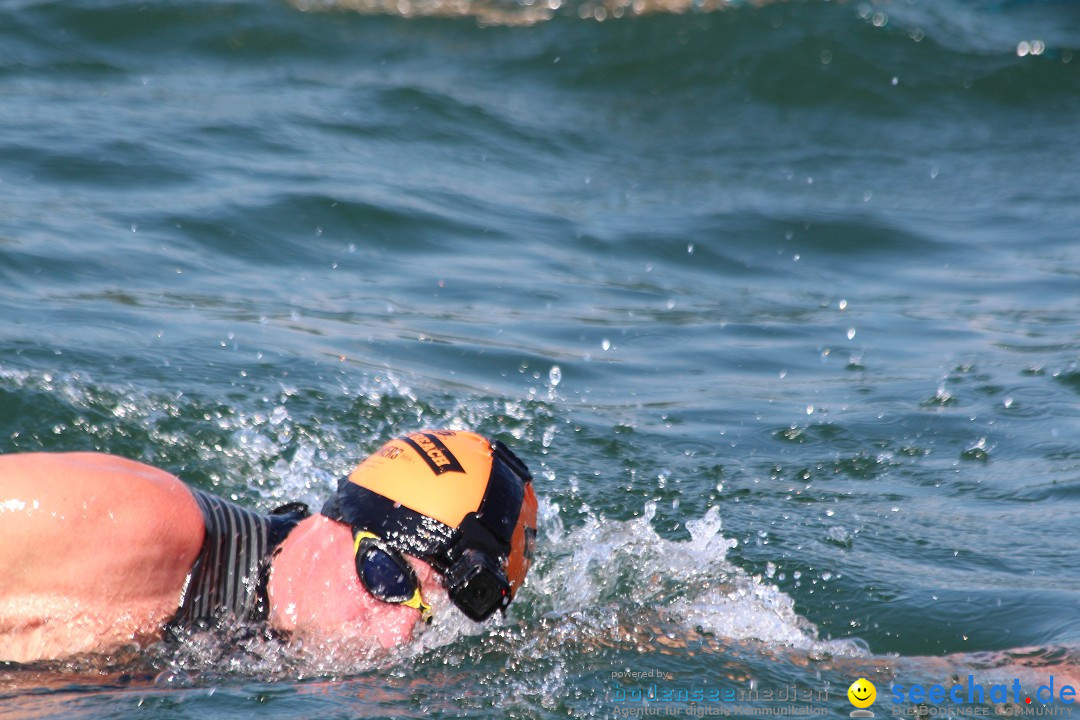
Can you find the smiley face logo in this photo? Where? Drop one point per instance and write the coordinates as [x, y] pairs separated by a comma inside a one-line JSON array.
[[862, 693]]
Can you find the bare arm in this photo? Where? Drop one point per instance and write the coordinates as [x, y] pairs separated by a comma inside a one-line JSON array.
[[94, 552]]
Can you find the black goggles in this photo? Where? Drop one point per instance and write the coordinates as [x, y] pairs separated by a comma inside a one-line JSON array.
[[387, 575]]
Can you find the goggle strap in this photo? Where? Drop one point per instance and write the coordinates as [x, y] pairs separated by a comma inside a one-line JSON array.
[[394, 524], [417, 602], [501, 506], [504, 453]]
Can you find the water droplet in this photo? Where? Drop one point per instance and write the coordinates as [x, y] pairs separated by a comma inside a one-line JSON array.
[[839, 536], [279, 415], [979, 451], [605, 344], [554, 375], [851, 334]]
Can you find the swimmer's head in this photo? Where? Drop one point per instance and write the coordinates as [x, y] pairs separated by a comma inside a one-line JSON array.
[[456, 500]]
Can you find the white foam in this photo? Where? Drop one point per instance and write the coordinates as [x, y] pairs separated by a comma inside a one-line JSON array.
[[605, 566]]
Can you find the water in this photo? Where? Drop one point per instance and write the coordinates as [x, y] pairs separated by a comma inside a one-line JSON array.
[[778, 300]]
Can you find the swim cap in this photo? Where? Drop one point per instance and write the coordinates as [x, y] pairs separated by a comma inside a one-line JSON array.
[[460, 502]]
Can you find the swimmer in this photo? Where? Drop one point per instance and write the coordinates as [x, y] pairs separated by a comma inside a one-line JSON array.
[[99, 553]]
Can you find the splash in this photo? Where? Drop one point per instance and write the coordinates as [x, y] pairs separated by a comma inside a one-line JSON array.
[[607, 585], [608, 567]]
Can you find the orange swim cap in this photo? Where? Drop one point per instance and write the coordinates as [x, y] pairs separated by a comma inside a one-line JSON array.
[[454, 499]]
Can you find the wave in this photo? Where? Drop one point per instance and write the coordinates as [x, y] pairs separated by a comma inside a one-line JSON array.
[[878, 55]]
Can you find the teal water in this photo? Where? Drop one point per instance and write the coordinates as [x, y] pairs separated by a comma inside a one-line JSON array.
[[780, 301]]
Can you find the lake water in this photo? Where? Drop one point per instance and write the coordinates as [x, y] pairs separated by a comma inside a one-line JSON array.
[[780, 301]]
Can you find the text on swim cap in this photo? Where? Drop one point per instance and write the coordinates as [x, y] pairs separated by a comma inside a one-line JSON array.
[[434, 452]]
